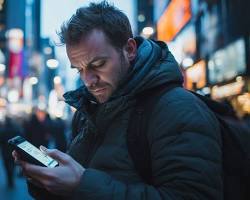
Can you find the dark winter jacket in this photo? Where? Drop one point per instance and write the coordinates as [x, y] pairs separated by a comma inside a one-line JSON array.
[[183, 136]]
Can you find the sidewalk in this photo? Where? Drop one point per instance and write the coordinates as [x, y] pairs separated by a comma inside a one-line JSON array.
[[19, 192]]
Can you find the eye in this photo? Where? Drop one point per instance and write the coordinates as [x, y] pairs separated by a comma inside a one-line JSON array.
[[98, 64], [79, 70]]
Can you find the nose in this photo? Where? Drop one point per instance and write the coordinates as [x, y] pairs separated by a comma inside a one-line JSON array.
[[89, 77]]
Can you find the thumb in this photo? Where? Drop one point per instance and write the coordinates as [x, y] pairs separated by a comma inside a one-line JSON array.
[[55, 154]]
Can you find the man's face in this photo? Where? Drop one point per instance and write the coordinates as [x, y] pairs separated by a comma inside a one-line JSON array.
[[101, 66]]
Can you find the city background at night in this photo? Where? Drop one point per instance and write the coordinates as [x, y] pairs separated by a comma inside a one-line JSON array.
[[210, 40]]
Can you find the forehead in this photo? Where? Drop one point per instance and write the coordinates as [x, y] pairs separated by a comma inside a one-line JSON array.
[[93, 44]]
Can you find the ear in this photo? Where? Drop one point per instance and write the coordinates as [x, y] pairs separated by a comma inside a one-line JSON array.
[[131, 49]]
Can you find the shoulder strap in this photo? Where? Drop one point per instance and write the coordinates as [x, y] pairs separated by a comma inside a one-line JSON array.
[[137, 141]]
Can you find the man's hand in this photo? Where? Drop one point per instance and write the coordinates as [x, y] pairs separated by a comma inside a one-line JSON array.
[[60, 180]]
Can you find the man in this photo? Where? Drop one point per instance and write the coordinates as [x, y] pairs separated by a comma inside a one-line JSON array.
[[183, 134], [37, 129]]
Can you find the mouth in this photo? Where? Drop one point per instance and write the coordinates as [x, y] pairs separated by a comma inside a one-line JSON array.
[[98, 91]]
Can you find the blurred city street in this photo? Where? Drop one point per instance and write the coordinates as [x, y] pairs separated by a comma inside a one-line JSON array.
[[19, 192]]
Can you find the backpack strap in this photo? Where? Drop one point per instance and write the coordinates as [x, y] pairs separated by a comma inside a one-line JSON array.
[[137, 140]]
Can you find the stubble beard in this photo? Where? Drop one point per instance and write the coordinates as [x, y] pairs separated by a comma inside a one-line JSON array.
[[117, 80]]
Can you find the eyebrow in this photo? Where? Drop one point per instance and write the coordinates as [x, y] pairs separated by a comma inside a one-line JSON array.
[[73, 67], [92, 61]]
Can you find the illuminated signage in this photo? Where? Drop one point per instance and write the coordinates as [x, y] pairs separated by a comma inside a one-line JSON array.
[[177, 14], [196, 75], [185, 44], [219, 92], [227, 63], [15, 45]]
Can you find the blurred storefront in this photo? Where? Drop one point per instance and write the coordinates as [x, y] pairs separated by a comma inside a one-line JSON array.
[[195, 76], [210, 40], [20, 55], [27, 62]]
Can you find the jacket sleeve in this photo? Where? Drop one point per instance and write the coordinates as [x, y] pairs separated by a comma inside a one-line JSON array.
[[186, 157]]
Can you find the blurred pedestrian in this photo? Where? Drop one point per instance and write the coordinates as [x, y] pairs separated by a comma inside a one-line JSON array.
[[37, 129], [8, 129]]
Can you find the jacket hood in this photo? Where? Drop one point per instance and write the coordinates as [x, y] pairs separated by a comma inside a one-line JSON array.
[[154, 65]]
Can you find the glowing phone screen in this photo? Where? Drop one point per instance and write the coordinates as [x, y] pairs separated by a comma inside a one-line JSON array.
[[37, 154]]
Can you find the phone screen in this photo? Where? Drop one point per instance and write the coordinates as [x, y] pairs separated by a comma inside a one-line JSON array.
[[37, 154]]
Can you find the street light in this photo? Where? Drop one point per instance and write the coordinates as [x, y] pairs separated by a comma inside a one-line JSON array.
[[141, 18], [148, 31], [33, 80], [13, 95], [57, 80], [52, 63], [47, 50]]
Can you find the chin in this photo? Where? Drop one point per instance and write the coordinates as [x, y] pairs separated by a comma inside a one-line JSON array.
[[102, 99]]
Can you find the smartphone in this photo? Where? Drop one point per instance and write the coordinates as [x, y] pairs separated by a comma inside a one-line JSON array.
[[30, 153]]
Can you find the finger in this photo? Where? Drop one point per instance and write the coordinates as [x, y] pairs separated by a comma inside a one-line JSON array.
[[35, 182], [17, 158], [15, 155], [39, 177], [59, 156], [34, 171]]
